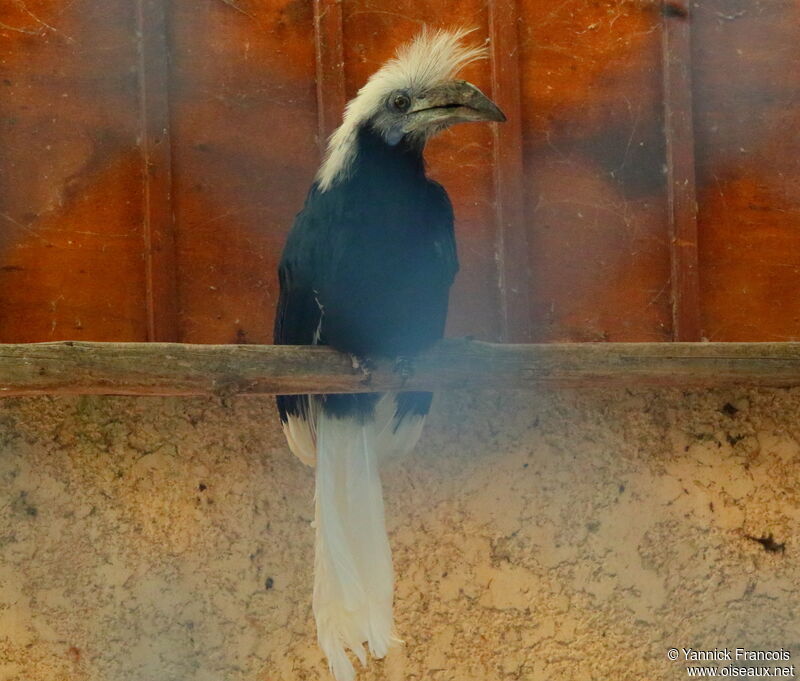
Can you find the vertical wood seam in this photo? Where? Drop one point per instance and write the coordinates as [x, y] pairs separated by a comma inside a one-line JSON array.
[[511, 242], [158, 221], [681, 183], [329, 53]]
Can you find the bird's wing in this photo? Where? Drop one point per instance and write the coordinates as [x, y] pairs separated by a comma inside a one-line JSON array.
[[297, 322], [442, 215]]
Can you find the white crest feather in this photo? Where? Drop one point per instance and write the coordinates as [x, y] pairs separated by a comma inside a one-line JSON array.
[[432, 57]]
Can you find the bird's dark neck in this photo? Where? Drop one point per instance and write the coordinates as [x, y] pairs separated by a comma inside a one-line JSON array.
[[376, 159]]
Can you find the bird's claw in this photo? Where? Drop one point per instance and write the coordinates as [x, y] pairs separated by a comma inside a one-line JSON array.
[[364, 365], [404, 366]]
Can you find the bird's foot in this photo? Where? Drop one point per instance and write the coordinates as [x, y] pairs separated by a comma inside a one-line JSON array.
[[365, 366], [404, 366]]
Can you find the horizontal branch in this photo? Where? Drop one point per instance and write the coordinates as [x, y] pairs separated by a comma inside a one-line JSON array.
[[78, 368]]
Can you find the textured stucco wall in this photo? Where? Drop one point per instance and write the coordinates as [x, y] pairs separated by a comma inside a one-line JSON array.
[[559, 536]]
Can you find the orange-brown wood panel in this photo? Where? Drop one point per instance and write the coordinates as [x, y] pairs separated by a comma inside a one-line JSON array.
[[747, 88], [511, 226], [595, 182], [461, 158], [244, 140], [153, 155], [680, 172], [329, 55], [71, 251], [158, 223]]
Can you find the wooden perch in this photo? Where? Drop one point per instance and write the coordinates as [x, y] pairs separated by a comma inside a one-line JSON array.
[[78, 368]]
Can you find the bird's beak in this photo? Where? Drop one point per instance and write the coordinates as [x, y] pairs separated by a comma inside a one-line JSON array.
[[455, 101]]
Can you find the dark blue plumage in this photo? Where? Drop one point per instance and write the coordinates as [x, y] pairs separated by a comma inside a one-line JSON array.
[[368, 266]]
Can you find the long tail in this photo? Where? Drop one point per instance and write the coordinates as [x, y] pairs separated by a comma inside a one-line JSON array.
[[353, 578]]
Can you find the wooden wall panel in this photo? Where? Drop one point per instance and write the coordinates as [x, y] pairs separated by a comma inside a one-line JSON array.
[[70, 172], [153, 154], [158, 223], [595, 183], [747, 89], [461, 158], [511, 227], [680, 172], [243, 107]]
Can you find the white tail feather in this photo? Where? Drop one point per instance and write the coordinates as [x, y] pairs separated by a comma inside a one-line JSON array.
[[353, 577], [393, 439]]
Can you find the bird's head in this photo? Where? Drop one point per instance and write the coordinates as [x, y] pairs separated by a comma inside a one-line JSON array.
[[412, 97]]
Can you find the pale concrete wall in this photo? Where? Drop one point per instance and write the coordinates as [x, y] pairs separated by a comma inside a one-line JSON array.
[[574, 535]]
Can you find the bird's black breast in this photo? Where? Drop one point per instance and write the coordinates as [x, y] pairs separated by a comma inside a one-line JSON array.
[[377, 251], [369, 262]]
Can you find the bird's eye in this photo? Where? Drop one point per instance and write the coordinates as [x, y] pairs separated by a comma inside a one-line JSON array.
[[400, 102]]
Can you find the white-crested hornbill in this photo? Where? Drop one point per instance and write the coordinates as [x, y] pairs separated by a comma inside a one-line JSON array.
[[367, 269]]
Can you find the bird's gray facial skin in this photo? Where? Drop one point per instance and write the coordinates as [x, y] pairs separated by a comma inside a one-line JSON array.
[[419, 116]]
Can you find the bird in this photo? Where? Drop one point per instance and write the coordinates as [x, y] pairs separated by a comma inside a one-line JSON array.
[[367, 269]]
